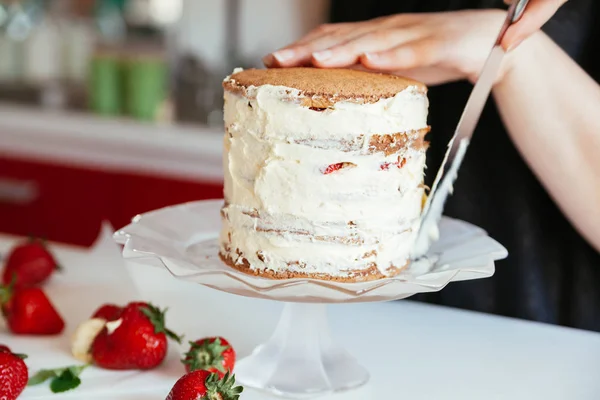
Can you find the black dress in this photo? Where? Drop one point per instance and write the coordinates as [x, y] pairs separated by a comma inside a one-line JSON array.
[[552, 274]]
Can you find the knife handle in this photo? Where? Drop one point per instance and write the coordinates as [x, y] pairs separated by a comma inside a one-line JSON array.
[[515, 12], [518, 9]]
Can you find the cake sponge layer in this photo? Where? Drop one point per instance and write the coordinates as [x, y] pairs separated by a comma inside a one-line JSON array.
[[327, 84]]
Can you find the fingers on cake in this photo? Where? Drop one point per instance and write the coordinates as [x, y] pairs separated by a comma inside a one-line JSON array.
[[323, 172]]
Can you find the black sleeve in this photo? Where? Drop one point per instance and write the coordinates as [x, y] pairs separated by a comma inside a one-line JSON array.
[[576, 29], [361, 10], [350, 10], [572, 25]]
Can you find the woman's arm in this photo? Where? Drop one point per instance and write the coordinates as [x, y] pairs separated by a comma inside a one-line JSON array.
[[551, 109]]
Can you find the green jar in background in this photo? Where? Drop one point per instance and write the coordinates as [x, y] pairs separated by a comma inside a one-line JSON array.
[[145, 85], [105, 84]]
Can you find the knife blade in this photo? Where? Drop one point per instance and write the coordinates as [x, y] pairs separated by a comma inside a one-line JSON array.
[[457, 147]]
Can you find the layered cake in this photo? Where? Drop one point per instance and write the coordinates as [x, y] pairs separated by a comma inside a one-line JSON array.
[[323, 172]]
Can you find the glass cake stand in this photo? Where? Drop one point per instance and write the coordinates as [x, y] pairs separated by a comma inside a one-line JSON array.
[[301, 359]]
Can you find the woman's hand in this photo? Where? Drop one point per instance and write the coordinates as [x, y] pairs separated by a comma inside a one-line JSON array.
[[537, 13], [431, 47]]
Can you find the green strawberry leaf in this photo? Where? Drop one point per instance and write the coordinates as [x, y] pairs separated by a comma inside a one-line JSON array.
[[206, 355], [62, 379], [6, 291], [222, 388], [172, 335], [4, 294], [157, 318], [77, 369], [41, 376], [21, 356], [67, 380]]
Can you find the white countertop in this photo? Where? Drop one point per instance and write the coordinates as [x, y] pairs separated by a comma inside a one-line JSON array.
[[413, 351], [190, 152]]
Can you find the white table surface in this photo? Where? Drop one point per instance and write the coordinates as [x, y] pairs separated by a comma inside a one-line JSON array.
[[413, 351]]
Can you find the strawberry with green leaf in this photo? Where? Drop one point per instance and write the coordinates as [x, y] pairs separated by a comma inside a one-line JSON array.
[[13, 374], [136, 340], [61, 379], [203, 385], [213, 354]]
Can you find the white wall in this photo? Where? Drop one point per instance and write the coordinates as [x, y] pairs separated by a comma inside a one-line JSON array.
[[265, 26]]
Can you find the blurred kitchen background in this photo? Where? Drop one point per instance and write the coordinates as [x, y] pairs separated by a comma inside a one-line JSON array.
[[109, 108]]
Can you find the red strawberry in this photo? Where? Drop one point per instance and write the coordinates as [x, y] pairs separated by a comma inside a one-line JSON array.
[[109, 312], [28, 311], [211, 354], [203, 385], [336, 167], [332, 168], [13, 375], [137, 340], [29, 264]]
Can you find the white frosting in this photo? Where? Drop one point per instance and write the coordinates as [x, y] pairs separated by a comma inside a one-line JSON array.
[[280, 117], [285, 214]]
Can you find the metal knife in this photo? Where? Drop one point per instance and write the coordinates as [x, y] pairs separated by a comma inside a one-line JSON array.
[[457, 147]]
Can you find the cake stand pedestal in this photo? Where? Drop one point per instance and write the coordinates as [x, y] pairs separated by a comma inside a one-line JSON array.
[[301, 359]]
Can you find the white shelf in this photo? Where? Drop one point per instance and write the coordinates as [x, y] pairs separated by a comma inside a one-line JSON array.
[[189, 152]]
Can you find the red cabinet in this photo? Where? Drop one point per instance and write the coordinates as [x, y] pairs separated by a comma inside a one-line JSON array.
[[137, 194], [68, 203]]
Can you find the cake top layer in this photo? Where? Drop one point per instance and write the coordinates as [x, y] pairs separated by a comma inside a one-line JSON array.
[[333, 84]]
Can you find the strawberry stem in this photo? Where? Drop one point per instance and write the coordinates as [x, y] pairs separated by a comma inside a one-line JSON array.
[[157, 318], [4, 295], [6, 291], [222, 389], [205, 355]]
